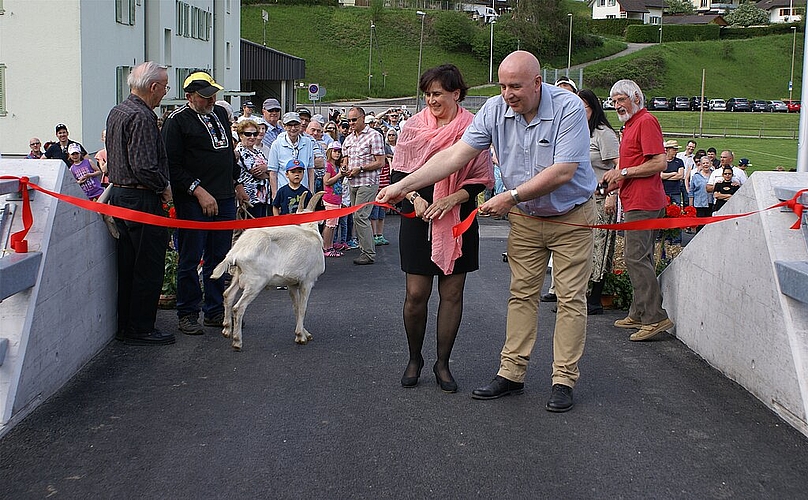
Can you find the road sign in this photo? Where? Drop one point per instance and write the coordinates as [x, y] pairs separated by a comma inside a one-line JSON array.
[[322, 92], [314, 91]]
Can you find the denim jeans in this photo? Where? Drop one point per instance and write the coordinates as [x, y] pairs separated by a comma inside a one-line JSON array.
[[208, 246]]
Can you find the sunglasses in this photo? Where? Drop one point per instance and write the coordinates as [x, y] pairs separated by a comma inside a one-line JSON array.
[[330, 130], [250, 134], [35, 144], [351, 120]]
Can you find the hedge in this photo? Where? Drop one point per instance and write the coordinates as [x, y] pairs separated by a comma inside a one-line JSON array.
[[733, 33], [615, 27], [649, 33]]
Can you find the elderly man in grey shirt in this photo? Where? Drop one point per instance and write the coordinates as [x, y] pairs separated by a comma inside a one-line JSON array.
[[541, 137]]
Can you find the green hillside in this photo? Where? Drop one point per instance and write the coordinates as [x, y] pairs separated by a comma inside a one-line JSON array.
[[757, 68]]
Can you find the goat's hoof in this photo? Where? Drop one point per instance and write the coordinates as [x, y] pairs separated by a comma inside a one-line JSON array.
[[225, 334], [237, 348]]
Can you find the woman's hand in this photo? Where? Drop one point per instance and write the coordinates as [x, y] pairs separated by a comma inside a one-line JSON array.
[[439, 208], [421, 206]]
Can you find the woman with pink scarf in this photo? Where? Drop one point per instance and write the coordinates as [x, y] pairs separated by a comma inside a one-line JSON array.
[[426, 244]]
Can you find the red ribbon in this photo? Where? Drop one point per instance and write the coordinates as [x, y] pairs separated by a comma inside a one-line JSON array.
[[661, 223], [20, 245]]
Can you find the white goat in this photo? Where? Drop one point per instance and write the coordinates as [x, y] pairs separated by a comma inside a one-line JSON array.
[[273, 256]]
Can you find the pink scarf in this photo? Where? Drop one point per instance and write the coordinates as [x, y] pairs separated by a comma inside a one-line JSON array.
[[419, 140]]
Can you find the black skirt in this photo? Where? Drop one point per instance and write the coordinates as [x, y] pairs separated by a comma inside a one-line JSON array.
[[416, 250]]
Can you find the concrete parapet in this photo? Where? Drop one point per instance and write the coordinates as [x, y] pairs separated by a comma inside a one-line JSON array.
[[60, 323], [723, 293]]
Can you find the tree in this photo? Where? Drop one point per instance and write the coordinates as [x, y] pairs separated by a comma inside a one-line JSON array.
[[678, 7], [747, 14], [541, 26]]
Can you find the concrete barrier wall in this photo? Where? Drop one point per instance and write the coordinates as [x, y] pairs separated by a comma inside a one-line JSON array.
[[722, 292], [58, 325]]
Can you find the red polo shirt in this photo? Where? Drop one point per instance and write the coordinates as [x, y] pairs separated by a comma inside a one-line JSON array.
[[642, 138]]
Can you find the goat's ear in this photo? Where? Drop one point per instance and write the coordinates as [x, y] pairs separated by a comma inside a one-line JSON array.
[[301, 207], [314, 201]]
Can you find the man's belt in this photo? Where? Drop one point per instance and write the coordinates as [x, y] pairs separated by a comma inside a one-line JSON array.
[[132, 186]]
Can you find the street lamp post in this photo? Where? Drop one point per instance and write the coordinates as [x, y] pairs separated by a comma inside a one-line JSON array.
[[422, 14], [491, 54], [793, 51], [370, 56], [569, 47]]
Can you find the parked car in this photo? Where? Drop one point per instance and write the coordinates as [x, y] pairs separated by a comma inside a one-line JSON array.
[[738, 104], [760, 106], [777, 106], [792, 106], [608, 103], [696, 102], [659, 104], [717, 105], [680, 103]]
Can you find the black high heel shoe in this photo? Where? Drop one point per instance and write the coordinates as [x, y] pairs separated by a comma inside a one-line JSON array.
[[449, 386], [412, 381]]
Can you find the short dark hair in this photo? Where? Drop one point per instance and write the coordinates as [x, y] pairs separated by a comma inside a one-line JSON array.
[[448, 76], [711, 150]]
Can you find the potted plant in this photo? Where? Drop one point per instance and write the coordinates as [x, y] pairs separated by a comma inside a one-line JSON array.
[[168, 294], [617, 286]]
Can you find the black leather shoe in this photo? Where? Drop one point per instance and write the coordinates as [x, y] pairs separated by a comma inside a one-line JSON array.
[[153, 338], [560, 399], [548, 297], [449, 386], [412, 381], [498, 387]]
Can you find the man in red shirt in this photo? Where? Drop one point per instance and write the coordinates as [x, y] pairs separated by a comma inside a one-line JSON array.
[[642, 158]]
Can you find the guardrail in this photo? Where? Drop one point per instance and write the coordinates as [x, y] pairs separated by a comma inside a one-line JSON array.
[[793, 275], [18, 271]]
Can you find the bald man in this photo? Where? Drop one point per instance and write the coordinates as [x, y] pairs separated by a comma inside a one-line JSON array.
[[541, 137]]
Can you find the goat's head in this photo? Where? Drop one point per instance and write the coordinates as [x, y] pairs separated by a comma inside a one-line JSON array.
[[303, 207]]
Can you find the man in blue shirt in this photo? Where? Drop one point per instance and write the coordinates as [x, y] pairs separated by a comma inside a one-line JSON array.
[[541, 137]]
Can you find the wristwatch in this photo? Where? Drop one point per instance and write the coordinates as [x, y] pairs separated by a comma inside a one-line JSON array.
[[624, 172], [414, 195], [193, 186], [515, 196]]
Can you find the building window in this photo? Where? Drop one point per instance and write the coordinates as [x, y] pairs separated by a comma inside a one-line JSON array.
[[3, 111], [193, 22], [124, 12], [227, 55], [601, 3], [611, 16], [703, 4], [623, 15], [612, 3], [784, 13], [1, 7], [121, 85], [654, 19], [182, 74]]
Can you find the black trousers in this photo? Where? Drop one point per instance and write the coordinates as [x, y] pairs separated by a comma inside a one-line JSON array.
[[141, 261]]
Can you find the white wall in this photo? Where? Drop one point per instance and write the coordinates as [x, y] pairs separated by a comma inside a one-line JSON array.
[[61, 58]]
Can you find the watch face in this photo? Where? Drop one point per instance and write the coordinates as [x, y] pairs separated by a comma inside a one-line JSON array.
[[624, 172]]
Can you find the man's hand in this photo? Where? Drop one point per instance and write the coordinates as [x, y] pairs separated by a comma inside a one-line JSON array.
[[499, 205], [166, 196], [610, 205], [208, 203], [391, 194]]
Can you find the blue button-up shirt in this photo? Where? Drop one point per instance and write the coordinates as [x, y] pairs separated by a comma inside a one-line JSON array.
[[282, 151], [272, 134], [559, 133]]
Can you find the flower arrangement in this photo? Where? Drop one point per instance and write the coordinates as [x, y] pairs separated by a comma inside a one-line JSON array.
[[618, 285], [675, 211], [168, 294]]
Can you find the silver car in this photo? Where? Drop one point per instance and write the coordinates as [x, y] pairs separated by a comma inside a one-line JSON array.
[[777, 107], [717, 105]]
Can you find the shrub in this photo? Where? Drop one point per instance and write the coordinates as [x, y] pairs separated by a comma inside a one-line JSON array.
[[504, 44], [735, 33], [647, 70]]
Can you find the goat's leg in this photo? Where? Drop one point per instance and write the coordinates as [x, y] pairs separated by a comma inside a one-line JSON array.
[[300, 312], [229, 298], [294, 294], [247, 296]]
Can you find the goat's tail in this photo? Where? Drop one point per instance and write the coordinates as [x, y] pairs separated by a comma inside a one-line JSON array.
[[223, 267]]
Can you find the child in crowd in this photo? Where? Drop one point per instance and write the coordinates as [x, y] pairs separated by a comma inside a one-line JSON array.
[[287, 199], [332, 199], [85, 173], [725, 189], [345, 240]]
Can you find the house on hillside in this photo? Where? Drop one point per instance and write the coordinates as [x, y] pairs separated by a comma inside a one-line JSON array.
[[715, 6], [649, 11], [783, 11], [68, 61], [696, 19]]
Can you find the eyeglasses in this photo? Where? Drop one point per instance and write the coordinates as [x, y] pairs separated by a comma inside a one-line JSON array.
[[35, 144], [621, 100], [167, 87], [391, 135], [250, 134], [393, 116], [726, 173], [351, 120], [330, 130]]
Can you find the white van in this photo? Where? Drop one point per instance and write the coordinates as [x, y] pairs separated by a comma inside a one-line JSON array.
[[717, 105]]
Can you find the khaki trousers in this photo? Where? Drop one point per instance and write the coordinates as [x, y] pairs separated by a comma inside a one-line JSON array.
[[530, 243]]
